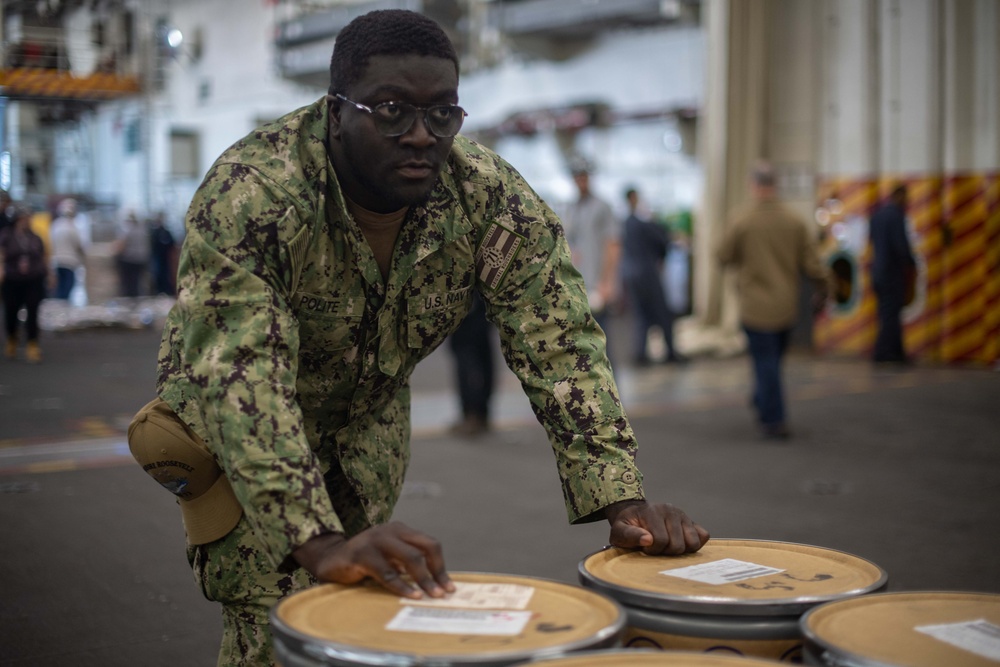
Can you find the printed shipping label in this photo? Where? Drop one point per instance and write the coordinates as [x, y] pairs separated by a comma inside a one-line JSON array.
[[480, 596], [980, 636], [459, 621], [724, 571]]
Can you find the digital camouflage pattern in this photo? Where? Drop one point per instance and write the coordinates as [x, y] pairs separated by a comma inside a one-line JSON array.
[[291, 358], [235, 572]]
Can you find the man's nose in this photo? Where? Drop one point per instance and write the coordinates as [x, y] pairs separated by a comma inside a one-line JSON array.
[[420, 131]]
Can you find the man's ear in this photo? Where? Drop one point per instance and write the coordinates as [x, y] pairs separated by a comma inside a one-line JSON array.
[[333, 123]]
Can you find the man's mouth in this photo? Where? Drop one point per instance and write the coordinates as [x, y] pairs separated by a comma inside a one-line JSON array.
[[416, 170]]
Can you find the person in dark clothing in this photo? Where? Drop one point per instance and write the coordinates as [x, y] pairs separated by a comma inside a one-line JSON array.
[[893, 268], [162, 256], [6, 211], [472, 346], [23, 271], [644, 248]]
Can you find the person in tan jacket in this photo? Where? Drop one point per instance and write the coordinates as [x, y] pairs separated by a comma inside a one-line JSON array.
[[771, 249]]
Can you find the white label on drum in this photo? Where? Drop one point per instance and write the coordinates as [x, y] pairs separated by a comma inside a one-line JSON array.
[[481, 596], [980, 637], [459, 621], [724, 571]]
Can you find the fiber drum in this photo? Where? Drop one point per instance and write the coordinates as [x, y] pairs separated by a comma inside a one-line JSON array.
[[648, 658], [492, 619], [740, 597], [917, 629]]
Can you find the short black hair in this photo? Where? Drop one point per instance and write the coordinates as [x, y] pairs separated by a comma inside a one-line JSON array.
[[385, 32], [763, 174]]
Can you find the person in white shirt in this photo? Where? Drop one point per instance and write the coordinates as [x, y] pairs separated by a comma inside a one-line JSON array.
[[67, 250]]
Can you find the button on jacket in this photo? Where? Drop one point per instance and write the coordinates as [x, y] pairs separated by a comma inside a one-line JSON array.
[[291, 357]]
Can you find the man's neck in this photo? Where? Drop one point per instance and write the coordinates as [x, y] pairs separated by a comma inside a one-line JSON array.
[[380, 231]]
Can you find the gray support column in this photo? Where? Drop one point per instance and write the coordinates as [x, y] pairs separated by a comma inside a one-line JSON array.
[[732, 137], [971, 60]]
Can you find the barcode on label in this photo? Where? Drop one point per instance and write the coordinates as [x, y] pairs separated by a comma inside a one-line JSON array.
[[480, 596], [748, 573], [459, 621], [724, 571], [979, 636]]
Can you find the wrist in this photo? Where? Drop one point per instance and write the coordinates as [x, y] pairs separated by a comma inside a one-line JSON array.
[[612, 511], [309, 554]]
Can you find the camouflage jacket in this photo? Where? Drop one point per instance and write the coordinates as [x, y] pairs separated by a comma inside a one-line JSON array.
[[291, 357]]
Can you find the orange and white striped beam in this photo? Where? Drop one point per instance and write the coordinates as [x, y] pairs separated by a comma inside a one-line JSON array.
[[29, 82]]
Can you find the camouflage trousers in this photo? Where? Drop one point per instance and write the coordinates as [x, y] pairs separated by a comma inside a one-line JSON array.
[[234, 572]]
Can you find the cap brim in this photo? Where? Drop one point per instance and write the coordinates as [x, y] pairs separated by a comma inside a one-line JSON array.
[[211, 515]]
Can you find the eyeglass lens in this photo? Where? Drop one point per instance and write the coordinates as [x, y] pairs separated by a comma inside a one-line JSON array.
[[393, 119]]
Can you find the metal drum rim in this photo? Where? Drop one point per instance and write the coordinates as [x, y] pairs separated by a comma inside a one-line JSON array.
[[689, 604], [715, 626], [841, 657], [606, 636]]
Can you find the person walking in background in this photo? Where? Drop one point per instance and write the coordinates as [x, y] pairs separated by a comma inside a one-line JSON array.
[[162, 248], [893, 270], [472, 347], [67, 250], [644, 249], [594, 236], [23, 272], [132, 254], [770, 248]]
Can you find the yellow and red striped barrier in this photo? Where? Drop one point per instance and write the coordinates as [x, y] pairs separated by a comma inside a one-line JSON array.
[[955, 227]]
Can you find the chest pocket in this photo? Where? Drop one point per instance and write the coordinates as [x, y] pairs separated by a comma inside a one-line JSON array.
[[328, 324], [432, 316]]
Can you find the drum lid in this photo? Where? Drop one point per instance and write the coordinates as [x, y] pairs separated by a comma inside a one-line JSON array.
[[351, 621], [732, 577], [650, 658], [882, 629]]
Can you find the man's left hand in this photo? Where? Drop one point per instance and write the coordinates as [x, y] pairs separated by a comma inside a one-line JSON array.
[[655, 528]]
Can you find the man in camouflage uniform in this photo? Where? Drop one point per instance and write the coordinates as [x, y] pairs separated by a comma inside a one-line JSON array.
[[326, 254]]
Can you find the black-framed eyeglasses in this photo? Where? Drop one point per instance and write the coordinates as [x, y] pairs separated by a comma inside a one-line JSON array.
[[394, 119]]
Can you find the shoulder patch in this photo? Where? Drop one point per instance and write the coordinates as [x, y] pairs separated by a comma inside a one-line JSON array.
[[495, 253]]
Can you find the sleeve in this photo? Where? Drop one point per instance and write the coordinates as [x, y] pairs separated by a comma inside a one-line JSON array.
[[727, 250], [551, 341], [901, 242], [613, 225], [234, 348]]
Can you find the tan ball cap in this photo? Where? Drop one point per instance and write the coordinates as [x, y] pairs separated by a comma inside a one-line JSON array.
[[172, 454]]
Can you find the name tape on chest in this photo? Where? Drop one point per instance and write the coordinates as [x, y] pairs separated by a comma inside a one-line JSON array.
[[496, 253]]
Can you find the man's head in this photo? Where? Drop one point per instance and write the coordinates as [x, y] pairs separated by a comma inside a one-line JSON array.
[[580, 169], [899, 196], [67, 207], [20, 215], [386, 62], [632, 197], [387, 32], [763, 180]]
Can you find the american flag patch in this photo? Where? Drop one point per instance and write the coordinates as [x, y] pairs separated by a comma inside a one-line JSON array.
[[495, 254]]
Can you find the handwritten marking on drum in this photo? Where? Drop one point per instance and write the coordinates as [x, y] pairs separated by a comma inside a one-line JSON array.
[[980, 636], [552, 627], [480, 596], [459, 621], [783, 582], [725, 571]]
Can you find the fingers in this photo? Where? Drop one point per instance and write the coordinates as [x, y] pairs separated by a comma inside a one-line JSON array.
[[657, 529], [396, 557]]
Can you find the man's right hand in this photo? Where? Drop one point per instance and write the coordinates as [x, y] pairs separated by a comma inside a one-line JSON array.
[[384, 553]]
